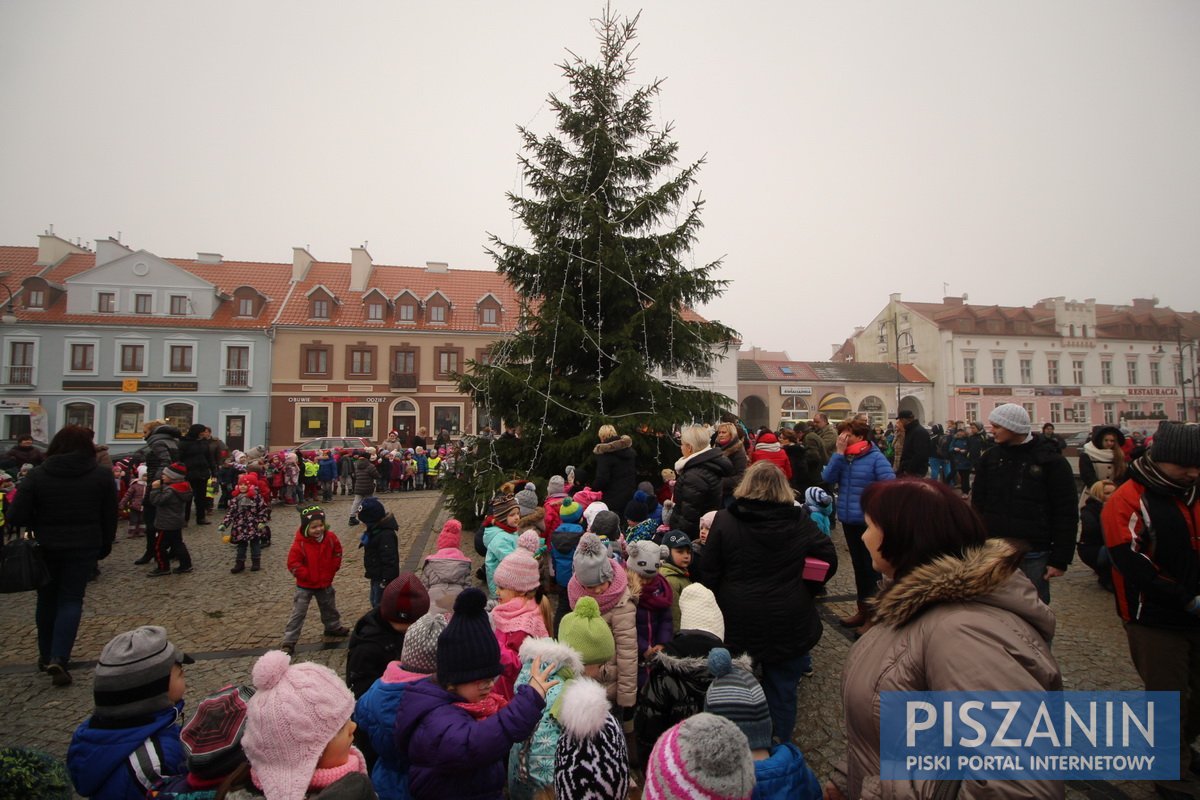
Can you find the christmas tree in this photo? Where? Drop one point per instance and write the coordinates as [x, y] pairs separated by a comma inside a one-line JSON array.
[[606, 280]]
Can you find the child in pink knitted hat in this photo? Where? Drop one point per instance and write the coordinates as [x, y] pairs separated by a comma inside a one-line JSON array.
[[299, 735], [522, 611], [448, 571]]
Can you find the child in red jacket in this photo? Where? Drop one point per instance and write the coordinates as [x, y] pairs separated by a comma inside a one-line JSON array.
[[314, 559]]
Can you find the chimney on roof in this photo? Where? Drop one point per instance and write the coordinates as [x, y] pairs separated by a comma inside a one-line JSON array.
[[301, 261], [440, 267], [952, 301], [1144, 303], [360, 269], [52, 249], [110, 249], [208, 258]]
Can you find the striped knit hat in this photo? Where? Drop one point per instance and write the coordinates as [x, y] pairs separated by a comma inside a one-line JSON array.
[[736, 696], [703, 756], [133, 675]]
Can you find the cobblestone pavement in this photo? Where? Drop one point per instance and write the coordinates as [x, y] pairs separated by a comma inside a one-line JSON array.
[[226, 621]]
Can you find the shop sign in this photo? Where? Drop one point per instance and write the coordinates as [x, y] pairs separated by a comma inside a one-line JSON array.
[[1136, 392], [968, 391], [129, 385], [795, 391], [997, 391], [354, 399], [1058, 391]]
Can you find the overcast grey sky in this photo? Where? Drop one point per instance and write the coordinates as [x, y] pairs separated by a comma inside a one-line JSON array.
[[1012, 149]]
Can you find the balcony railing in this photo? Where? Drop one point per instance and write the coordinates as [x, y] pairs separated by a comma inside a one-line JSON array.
[[19, 376], [239, 378], [403, 380]]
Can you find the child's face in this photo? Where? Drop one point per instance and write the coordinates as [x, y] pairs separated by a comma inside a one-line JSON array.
[[474, 691], [598, 589], [315, 528], [703, 534], [178, 685], [337, 752], [513, 517], [681, 557]]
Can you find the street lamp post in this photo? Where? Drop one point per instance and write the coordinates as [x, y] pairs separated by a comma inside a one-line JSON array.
[[8, 316], [1190, 348], [900, 338]]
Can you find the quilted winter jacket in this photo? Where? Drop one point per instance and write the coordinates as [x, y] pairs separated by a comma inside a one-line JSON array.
[[69, 502], [315, 563], [450, 753], [365, 476], [698, 489], [171, 504], [852, 476], [971, 623], [616, 473], [678, 682], [162, 448], [98, 758], [785, 776], [375, 714]]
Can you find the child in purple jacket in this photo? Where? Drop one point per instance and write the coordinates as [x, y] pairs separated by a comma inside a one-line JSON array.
[[456, 731], [654, 597]]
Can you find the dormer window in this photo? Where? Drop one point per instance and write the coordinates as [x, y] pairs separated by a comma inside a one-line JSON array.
[[248, 301], [245, 306], [320, 308], [407, 312], [321, 302], [375, 312], [488, 308], [35, 298], [179, 305], [489, 316], [437, 314]]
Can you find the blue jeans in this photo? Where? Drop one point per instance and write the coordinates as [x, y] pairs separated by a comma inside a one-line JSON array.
[[60, 602], [377, 588], [779, 683], [940, 469], [1034, 566]]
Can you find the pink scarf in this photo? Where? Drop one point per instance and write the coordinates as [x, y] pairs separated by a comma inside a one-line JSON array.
[[519, 614], [485, 707], [611, 596], [324, 777]]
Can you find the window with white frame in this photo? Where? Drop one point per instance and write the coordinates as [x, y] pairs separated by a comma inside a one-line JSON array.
[[236, 369], [1026, 371], [1077, 371], [407, 312], [143, 303], [179, 415], [80, 413], [360, 421], [179, 305], [1081, 411], [1056, 413], [83, 357], [320, 308], [127, 420], [1052, 371], [35, 298], [106, 302], [1135, 409], [1155, 373], [22, 356], [997, 370], [245, 306], [1131, 372], [972, 412], [969, 369], [1110, 413], [132, 358], [1106, 377], [1158, 409], [314, 421], [489, 315], [437, 313], [179, 358], [1031, 410], [375, 312]]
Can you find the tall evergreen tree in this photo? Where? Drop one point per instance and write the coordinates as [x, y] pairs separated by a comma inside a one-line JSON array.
[[606, 279]]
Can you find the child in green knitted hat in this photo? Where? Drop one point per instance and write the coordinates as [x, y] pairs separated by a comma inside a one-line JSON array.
[[586, 632]]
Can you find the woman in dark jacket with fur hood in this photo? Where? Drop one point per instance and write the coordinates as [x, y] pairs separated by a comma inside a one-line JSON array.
[[754, 563], [70, 503], [616, 469]]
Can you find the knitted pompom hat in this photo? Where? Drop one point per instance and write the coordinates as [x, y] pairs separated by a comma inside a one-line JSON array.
[[586, 632], [451, 535], [295, 712], [419, 653], [556, 485], [527, 499], [703, 756], [174, 473], [592, 565], [467, 649], [570, 511], [735, 695], [501, 505], [591, 760], [519, 569], [816, 497]]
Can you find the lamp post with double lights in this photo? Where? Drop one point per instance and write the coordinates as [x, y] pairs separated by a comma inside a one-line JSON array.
[[1185, 376], [899, 339]]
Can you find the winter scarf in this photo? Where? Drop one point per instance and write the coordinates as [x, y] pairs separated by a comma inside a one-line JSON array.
[[656, 594], [606, 600], [519, 614], [324, 777], [484, 708], [1147, 473], [857, 449]]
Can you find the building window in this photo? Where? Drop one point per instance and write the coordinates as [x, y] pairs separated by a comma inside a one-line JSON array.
[[1106, 372], [1155, 374], [448, 418], [179, 305], [972, 412], [998, 370], [1030, 409], [133, 358], [1158, 409], [245, 306], [1056, 413], [375, 312], [360, 421], [403, 362], [20, 363], [181, 415], [1077, 372], [437, 314], [362, 363], [1081, 411], [1026, 365], [1135, 409], [320, 309], [127, 420], [143, 304], [36, 298], [1052, 372], [1110, 413], [237, 366], [83, 357], [969, 370], [1181, 412], [181, 358], [315, 360], [407, 312], [82, 414], [314, 421], [106, 302], [1131, 370], [447, 362], [489, 315]]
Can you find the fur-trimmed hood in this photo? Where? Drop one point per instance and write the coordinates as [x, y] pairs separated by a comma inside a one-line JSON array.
[[984, 574], [613, 446], [551, 651], [695, 665], [536, 520]]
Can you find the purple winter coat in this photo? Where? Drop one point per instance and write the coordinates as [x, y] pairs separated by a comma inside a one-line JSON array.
[[451, 754], [654, 623]]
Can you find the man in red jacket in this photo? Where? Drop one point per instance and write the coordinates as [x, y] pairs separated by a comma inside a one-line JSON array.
[[314, 560], [1152, 529]]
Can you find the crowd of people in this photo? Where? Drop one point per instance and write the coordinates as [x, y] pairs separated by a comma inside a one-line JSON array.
[[634, 638]]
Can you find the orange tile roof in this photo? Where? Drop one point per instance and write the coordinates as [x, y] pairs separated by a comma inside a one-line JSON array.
[[1042, 317]]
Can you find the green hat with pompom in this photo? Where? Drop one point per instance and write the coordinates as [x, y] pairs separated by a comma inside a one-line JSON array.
[[586, 632]]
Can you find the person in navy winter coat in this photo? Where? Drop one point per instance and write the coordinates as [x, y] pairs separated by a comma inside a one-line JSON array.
[[855, 466]]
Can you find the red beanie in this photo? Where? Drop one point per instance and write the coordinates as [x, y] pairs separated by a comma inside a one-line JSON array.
[[451, 535], [404, 599]]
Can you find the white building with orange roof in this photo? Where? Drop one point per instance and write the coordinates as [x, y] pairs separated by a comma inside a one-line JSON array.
[[116, 337]]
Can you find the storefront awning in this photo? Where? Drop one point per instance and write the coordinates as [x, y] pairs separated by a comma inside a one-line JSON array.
[[834, 404]]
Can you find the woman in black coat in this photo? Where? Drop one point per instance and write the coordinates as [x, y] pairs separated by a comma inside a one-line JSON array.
[[196, 454], [70, 503], [754, 563], [616, 469]]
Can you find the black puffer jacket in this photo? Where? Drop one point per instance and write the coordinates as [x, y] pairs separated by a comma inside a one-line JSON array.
[[381, 560], [70, 503], [754, 564], [1027, 492], [162, 448], [373, 644], [698, 489], [914, 458], [365, 476], [616, 473], [196, 454], [676, 688]]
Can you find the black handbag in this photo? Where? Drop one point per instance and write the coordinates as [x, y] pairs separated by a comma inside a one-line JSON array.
[[21, 566]]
